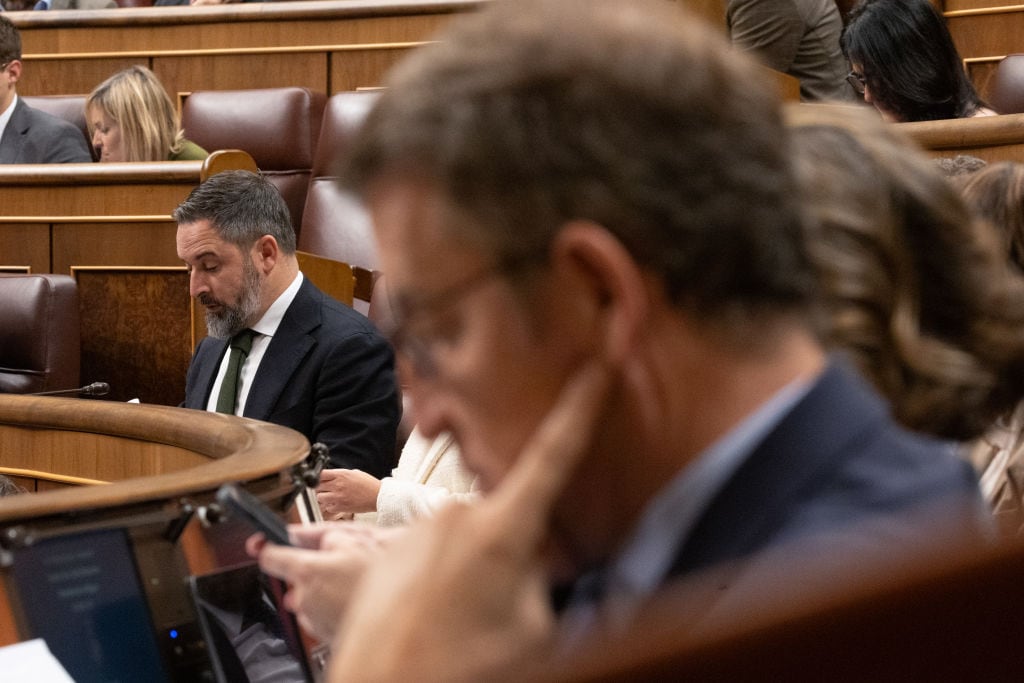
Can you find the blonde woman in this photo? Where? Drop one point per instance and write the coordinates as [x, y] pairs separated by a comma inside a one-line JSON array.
[[131, 118]]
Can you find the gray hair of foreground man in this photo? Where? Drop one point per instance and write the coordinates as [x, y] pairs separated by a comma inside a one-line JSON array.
[[242, 206], [671, 142]]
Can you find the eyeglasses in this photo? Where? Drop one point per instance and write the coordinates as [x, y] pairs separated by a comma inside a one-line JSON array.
[[857, 81], [421, 349]]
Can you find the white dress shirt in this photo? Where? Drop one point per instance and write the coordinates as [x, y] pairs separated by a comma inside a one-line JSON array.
[[265, 328], [6, 116]]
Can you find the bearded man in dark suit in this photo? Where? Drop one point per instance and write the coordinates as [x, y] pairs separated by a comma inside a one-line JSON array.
[[314, 364]]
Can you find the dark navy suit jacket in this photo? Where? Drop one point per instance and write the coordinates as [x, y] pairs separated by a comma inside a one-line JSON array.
[[327, 373], [836, 483], [35, 137], [837, 467]]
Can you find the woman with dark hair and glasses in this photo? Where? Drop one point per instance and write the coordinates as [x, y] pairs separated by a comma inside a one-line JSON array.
[[905, 64]]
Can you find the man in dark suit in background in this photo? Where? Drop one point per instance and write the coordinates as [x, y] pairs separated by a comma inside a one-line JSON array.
[[307, 361], [27, 135], [599, 278]]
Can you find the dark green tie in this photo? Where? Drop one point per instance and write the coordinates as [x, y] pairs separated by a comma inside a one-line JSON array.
[[241, 344]]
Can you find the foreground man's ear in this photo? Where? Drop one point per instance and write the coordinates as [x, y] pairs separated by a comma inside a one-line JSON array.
[[611, 288]]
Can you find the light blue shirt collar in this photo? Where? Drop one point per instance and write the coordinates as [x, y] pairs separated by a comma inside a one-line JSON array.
[[646, 557]]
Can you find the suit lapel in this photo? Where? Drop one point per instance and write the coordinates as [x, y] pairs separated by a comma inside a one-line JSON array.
[[288, 348]]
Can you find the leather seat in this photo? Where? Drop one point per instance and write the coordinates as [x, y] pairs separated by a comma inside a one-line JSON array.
[[40, 335], [1006, 89], [334, 223], [71, 108], [278, 127]]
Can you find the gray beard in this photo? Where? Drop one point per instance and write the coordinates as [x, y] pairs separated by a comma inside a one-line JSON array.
[[232, 319]]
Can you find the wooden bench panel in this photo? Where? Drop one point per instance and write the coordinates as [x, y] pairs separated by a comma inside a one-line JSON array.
[[229, 46], [26, 244], [237, 72], [326, 45], [136, 331], [115, 243], [360, 69], [71, 76], [984, 32], [989, 33]]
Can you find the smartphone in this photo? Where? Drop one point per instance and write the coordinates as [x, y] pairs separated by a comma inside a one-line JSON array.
[[236, 500]]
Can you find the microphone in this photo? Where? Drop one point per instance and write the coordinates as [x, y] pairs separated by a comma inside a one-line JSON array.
[[94, 389]]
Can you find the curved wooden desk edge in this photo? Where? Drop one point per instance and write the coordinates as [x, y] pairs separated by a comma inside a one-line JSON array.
[[239, 449], [1005, 129]]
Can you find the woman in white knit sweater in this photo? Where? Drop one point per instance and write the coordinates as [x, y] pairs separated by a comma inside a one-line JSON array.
[[429, 474]]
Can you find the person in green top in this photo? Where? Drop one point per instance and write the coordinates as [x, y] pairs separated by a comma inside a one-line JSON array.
[[131, 118]]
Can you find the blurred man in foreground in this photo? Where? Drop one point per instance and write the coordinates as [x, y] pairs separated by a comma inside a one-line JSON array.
[[593, 242]]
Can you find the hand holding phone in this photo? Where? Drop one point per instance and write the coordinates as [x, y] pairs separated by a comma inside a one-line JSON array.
[[237, 500]]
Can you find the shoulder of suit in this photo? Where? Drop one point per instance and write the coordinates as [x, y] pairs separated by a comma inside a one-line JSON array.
[[337, 313], [38, 117]]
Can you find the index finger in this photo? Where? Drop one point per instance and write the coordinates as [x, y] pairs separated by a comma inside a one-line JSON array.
[[283, 561], [328, 475], [524, 499]]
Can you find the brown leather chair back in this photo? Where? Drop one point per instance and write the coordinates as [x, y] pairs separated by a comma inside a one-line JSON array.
[[68, 107], [40, 337], [1006, 89], [279, 127], [334, 224]]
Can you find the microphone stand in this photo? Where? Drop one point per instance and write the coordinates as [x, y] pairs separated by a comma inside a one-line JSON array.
[[94, 389]]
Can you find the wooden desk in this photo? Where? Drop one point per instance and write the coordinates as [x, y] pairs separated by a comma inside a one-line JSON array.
[[163, 463], [146, 454], [984, 32], [326, 45], [992, 138]]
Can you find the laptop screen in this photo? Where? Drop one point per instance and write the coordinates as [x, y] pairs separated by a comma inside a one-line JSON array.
[[81, 594]]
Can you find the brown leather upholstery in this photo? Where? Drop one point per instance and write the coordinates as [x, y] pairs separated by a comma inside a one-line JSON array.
[[1006, 89], [334, 223], [279, 127], [68, 107], [40, 338]]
